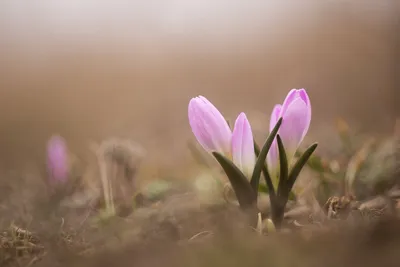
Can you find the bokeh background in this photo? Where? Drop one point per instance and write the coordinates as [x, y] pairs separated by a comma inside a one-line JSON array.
[[89, 70]]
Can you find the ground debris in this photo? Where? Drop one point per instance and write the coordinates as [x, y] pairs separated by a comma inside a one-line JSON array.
[[18, 245]]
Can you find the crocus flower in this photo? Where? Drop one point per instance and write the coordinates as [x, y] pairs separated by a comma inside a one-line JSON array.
[[296, 114], [213, 133], [243, 145], [57, 159], [209, 126]]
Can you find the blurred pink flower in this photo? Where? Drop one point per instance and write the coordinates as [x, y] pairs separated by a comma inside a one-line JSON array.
[[213, 133], [296, 114], [57, 159]]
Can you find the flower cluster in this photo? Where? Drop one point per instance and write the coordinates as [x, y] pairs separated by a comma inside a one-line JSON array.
[[240, 157]]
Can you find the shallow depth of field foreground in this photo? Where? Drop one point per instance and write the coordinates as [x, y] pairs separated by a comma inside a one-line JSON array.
[[197, 133]]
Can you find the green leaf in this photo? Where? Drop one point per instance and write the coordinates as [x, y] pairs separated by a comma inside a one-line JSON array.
[[256, 149], [265, 173], [284, 169], [243, 190], [260, 163], [294, 173]]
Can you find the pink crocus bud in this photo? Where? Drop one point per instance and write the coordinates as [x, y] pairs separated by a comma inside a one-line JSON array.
[[209, 126], [296, 114], [243, 154], [57, 159], [273, 154]]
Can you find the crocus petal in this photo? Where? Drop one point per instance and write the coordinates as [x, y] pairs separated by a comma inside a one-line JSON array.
[[276, 113], [291, 96], [296, 121], [57, 159], [273, 156], [304, 96], [209, 126], [243, 154], [296, 114]]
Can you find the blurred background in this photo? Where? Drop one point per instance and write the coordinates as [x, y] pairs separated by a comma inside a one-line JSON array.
[[89, 70]]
